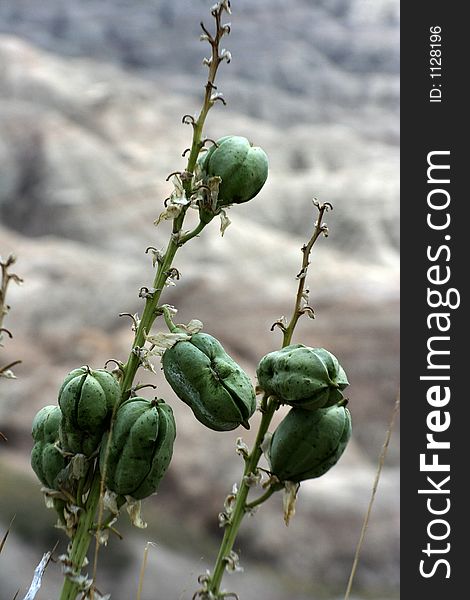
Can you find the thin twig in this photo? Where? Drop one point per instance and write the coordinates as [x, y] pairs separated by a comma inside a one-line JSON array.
[[5, 278], [320, 228], [382, 456], [6, 368]]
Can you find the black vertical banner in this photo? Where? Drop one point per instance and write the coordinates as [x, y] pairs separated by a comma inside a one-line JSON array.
[[435, 365]]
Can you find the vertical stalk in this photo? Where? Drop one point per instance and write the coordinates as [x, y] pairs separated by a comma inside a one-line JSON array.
[[175, 242], [82, 539], [82, 536], [268, 408], [148, 316], [232, 528]]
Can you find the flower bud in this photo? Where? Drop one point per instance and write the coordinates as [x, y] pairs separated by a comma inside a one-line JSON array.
[[210, 382], [242, 167], [141, 447], [308, 378], [306, 444]]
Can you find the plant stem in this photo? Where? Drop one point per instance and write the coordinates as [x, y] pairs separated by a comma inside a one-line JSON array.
[[176, 239], [148, 316], [306, 250], [268, 408], [233, 526], [82, 536], [196, 231], [82, 539], [269, 492]]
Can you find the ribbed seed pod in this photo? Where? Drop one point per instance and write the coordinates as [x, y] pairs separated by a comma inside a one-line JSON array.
[[208, 380], [78, 442], [46, 424], [242, 167], [141, 447], [308, 378], [47, 460], [86, 399], [306, 444]]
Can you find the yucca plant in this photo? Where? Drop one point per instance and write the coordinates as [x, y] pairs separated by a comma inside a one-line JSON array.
[[104, 446]]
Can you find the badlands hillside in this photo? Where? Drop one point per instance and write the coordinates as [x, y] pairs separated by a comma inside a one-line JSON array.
[[91, 98]]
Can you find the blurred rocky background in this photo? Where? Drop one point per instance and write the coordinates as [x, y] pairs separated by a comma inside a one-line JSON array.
[[91, 98]]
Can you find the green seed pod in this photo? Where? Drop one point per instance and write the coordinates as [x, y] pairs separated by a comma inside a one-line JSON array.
[[78, 442], [46, 424], [306, 444], [141, 447], [242, 167], [47, 460], [306, 377], [48, 463], [86, 399], [210, 382]]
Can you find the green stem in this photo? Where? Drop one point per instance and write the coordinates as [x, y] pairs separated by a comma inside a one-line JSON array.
[[268, 409], [196, 231], [168, 320], [149, 315], [231, 530], [302, 276], [82, 539], [176, 239], [269, 492]]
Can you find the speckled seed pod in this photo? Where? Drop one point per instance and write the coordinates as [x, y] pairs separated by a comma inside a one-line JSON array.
[[78, 442], [242, 167], [46, 424], [86, 399], [141, 447], [308, 378], [208, 380], [306, 444], [47, 460]]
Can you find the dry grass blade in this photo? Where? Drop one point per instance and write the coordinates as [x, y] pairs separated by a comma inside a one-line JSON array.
[[4, 539], [142, 570], [38, 574], [382, 456]]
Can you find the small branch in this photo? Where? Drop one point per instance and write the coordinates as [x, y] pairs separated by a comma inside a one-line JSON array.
[[269, 492], [319, 229], [213, 64], [189, 236], [9, 366], [167, 317], [6, 277]]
